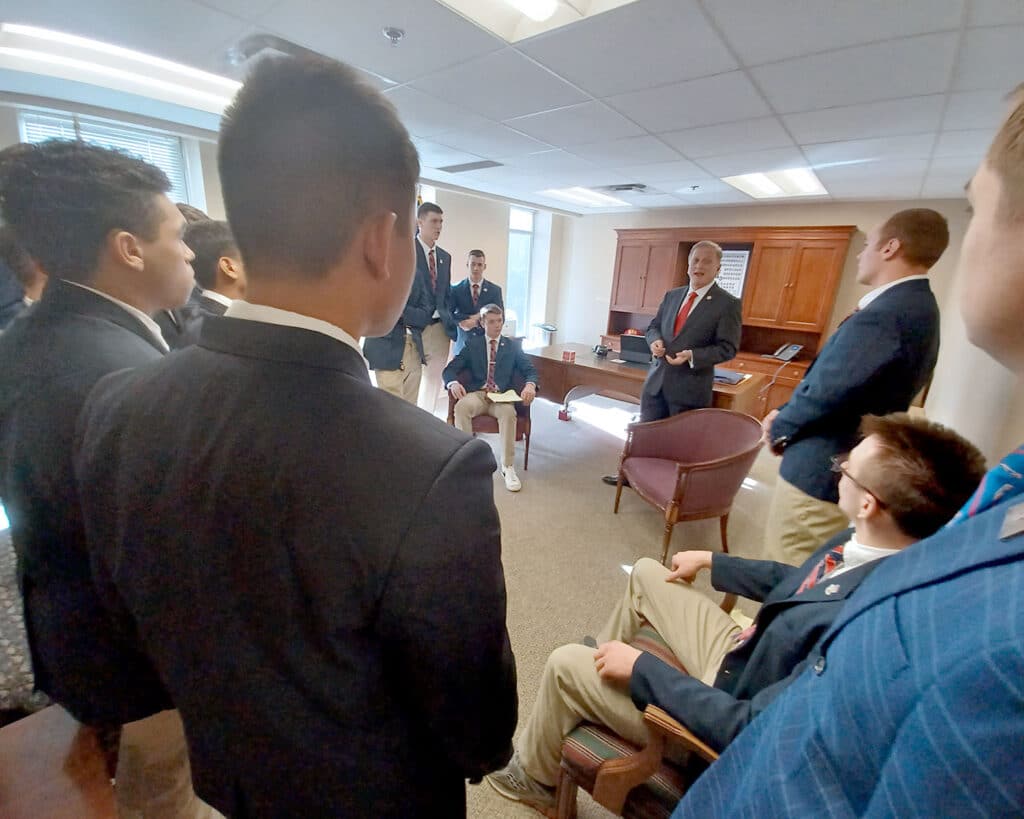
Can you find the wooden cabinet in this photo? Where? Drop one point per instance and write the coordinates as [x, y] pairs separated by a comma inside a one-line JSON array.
[[644, 272], [774, 393], [795, 284]]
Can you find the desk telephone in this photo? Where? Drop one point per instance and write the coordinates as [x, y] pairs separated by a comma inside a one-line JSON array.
[[787, 352]]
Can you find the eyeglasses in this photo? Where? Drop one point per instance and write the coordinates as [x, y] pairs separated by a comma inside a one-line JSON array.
[[838, 465]]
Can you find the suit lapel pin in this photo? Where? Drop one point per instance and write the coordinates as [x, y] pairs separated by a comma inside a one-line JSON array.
[[833, 589]]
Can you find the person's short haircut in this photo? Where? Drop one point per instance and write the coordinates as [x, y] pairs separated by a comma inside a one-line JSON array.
[[923, 235], [16, 258], [209, 240], [925, 471], [308, 150], [1006, 158], [428, 207], [478, 253], [64, 198], [491, 309], [709, 244], [191, 213]]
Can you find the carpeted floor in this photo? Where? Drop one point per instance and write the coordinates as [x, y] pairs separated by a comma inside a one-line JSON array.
[[564, 549]]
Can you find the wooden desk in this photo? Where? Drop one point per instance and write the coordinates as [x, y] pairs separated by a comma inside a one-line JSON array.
[[589, 374], [52, 767]]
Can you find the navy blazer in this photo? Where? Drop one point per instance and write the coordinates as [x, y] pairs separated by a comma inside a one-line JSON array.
[[789, 625], [49, 361], [509, 363], [333, 651], [913, 706], [874, 363], [441, 298], [386, 352], [462, 306], [712, 331]]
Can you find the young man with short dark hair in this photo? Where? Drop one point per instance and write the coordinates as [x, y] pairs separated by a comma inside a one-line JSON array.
[[100, 223], [329, 615], [469, 295]]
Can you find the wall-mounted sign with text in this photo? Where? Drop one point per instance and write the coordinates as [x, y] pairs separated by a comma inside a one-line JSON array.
[[734, 271]]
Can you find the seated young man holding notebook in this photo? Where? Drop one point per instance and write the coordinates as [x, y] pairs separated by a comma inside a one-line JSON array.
[[494, 364]]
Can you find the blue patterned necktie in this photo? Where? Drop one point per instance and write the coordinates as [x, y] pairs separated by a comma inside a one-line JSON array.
[[1004, 480]]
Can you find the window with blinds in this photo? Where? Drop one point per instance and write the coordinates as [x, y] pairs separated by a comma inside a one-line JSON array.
[[160, 149]]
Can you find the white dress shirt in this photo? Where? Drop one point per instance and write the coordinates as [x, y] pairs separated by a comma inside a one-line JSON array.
[[241, 309], [148, 322], [218, 297], [857, 554], [701, 293], [878, 291]]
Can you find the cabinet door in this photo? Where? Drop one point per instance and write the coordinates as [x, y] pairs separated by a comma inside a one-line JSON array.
[[812, 285], [661, 274], [630, 270], [764, 302]]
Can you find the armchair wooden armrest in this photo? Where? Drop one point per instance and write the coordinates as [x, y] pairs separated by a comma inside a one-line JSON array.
[[617, 777]]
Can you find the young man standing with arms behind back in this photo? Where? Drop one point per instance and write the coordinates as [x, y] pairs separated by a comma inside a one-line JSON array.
[[333, 647]]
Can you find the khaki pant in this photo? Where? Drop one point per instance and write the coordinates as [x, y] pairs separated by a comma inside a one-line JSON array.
[[698, 632], [799, 524], [476, 403], [436, 347], [154, 780], [405, 383]]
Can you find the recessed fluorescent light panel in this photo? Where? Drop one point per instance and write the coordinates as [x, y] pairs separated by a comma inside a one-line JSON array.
[[585, 196], [515, 20], [56, 54], [778, 184]]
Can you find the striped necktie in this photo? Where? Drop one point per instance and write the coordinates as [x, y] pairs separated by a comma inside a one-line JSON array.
[[490, 386], [830, 562]]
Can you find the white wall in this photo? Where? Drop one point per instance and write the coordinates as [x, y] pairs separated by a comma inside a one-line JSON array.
[[475, 222]]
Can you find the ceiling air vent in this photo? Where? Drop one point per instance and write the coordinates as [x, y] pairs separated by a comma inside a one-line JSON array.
[[471, 166], [629, 187]]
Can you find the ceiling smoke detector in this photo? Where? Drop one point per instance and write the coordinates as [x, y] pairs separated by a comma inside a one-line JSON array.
[[393, 35]]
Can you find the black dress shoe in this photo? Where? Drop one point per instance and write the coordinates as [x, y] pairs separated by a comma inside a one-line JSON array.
[[613, 480]]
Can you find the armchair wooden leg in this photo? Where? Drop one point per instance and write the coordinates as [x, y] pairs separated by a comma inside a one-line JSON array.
[[669, 525], [526, 458], [565, 796], [618, 492], [723, 525]]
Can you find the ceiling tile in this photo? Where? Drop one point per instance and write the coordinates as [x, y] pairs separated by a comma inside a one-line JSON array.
[[975, 109], [776, 159], [779, 29], [712, 193], [245, 9], [433, 155], [588, 122], [962, 166], [631, 151], [707, 101], [874, 119], [435, 36], [555, 163], [995, 12], [991, 58], [491, 140], [647, 200], [426, 116], [662, 173], [733, 137], [501, 86], [937, 186], [964, 143], [600, 54], [918, 146], [874, 180], [907, 68]]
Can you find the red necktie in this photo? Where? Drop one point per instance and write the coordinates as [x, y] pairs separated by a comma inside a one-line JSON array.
[[476, 294], [828, 563], [490, 386], [432, 266], [684, 311]]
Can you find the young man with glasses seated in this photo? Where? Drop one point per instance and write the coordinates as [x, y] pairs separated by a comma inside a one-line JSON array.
[[919, 474]]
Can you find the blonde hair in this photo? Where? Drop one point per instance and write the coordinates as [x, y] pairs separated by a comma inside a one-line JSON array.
[[1006, 157], [706, 243]]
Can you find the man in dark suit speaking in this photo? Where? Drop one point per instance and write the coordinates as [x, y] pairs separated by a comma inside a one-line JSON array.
[[494, 364], [313, 564], [695, 328]]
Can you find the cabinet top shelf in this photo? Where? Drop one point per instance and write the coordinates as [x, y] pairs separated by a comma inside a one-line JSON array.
[[736, 234]]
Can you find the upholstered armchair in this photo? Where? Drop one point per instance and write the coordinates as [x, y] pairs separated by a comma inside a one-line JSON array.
[[485, 423]]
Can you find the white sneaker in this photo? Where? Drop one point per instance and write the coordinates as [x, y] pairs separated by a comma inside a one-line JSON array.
[[512, 483]]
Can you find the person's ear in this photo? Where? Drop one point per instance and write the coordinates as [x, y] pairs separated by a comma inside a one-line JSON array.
[[125, 249], [377, 233], [228, 268], [869, 506], [891, 248]]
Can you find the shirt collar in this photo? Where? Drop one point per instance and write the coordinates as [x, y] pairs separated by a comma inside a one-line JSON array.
[[218, 297], [425, 247], [241, 309], [147, 321], [857, 554], [702, 292], [878, 291]]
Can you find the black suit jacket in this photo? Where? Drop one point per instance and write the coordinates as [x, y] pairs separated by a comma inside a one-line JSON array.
[[789, 625], [180, 327], [49, 361], [441, 298], [462, 306], [334, 649], [511, 365], [874, 363], [712, 332], [385, 352]]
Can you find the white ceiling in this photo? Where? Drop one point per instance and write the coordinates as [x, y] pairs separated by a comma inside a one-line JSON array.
[[884, 99]]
